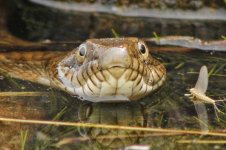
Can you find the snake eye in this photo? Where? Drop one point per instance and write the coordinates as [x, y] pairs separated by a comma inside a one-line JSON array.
[[81, 53], [82, 50], [143, 49]]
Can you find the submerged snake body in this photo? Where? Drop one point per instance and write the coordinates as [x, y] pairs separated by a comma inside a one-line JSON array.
[[114, 69]]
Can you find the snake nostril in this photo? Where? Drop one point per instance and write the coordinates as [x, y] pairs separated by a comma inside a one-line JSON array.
[[95, 58]]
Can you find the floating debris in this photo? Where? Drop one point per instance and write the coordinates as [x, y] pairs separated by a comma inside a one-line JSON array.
[[137, 147]]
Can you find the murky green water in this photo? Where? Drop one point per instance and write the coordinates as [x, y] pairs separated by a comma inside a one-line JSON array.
[[166, 108]]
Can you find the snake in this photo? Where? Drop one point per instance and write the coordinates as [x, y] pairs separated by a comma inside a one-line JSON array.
[[105, 69]]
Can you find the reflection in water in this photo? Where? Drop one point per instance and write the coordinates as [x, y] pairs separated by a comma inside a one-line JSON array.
[[124, 114]]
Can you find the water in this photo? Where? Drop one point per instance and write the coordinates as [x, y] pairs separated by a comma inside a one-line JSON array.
[[166, 108]]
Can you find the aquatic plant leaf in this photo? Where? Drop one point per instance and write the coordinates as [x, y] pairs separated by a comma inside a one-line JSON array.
[[202, 115], [202, 82]]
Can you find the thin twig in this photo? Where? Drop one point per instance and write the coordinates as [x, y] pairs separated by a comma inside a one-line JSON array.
[[80, 139], [149, 129], [202, 141], [5, 94]]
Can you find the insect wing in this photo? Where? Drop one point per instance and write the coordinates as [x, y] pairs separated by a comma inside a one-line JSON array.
[[202, 82], [202, 115]]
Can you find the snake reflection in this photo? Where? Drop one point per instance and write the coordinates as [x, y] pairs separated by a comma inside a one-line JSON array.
[[124, 114]]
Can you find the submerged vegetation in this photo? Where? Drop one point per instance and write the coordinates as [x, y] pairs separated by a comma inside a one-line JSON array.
[[156, 37], [223, 37], [115, 34], [24, 137]]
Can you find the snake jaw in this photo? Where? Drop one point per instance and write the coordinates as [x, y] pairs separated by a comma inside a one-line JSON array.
[[118, 73], [118, 83]]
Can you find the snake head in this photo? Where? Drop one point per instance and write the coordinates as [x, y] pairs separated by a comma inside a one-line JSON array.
[[111, 69]]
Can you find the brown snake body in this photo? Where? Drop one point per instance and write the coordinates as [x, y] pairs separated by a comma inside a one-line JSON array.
[[111, 69]]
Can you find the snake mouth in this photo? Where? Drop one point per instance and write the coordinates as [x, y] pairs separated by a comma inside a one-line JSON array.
[[115, 82], [117, 66], [119, 83], [116, 71]]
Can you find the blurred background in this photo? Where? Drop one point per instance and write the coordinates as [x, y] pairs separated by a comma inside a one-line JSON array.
[[81, 19]]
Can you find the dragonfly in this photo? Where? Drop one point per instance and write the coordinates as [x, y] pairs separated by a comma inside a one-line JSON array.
[[199, 97]]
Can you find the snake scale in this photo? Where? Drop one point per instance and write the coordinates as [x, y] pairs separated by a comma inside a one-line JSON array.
[[108, 69]]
